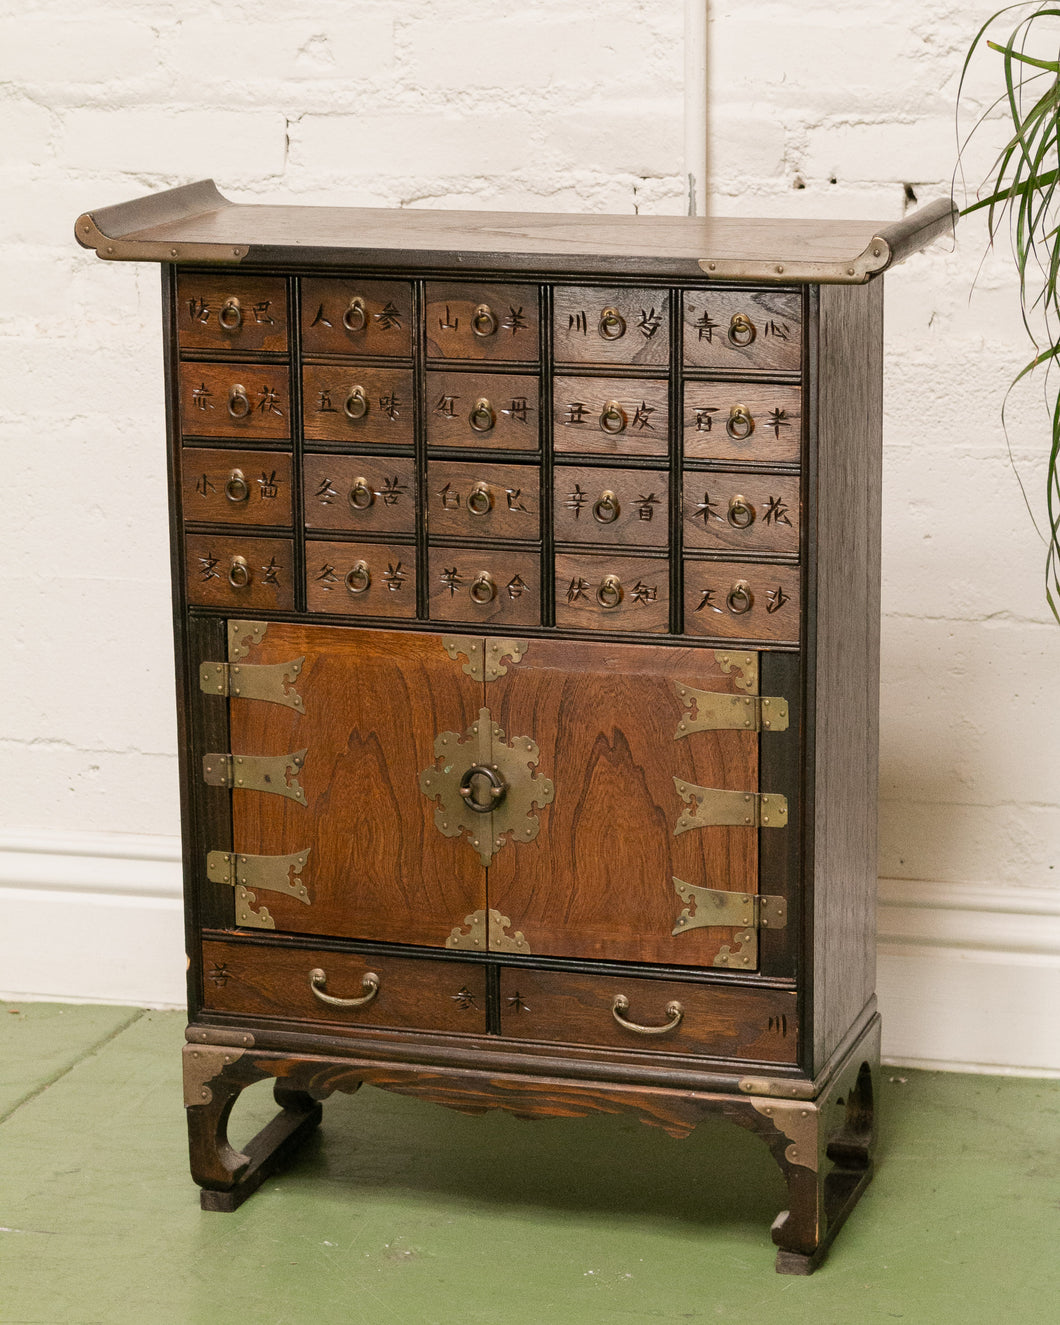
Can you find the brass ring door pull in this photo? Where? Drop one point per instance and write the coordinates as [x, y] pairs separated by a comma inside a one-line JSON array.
[[498, 788], [359, 580], [480, 499], [239, 573], [483, 321], [355, 406], [613, 418], [741, 330], [231, 315], [610, 593], [318, 984], [612, 324], [740, 598], [238, 402], [482, 417], [741, 512], [237, 489], [740, 424], [620, 1007], [483, 589], [361, 495], [606, 508], [355, 317]]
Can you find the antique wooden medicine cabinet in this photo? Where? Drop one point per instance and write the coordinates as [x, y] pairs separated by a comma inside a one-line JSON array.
[[525, 583]]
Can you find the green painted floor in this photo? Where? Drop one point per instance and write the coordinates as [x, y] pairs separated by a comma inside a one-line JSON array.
[[401, 1212]]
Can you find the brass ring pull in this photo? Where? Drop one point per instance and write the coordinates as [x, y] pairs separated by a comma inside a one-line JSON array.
[[480, 499], [606, 508], [741, 512], [483, 590], [613, 418], [231, 315], [482, 417], [238, 402], [370, 983], [483, 321], [498, 788], [620, 1007], [355, 317], [237, 489], [359, 580], [741, 330], [612, 324], [740, 424], [610, 592], [361, 495], [355, 406], [239, 573], [740, 599]]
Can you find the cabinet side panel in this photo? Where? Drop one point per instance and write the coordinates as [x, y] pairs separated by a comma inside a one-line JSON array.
[[846, 720]]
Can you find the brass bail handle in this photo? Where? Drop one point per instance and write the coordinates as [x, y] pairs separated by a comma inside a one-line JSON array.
[[613, 418], [498, 788], [740, 424], [355, 406], [231, 314], [482, 417], [741, 330], [612, 324], [238, 402], [355, 317], [318, 981], [483, 321], [620, 1007], [237, 489]]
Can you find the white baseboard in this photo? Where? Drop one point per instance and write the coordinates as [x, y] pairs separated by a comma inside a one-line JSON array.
[[969, 977]]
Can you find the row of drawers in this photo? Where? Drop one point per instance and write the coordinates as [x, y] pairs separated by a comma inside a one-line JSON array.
[[495, 587], [746, 329], [380, 992], [364, 405], [723, 511]]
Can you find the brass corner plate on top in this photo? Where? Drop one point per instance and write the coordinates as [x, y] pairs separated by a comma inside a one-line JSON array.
[[712, 711], [487, 931], [242, 635], [272, 683], [711, 807], [484, 654], [744, 663]]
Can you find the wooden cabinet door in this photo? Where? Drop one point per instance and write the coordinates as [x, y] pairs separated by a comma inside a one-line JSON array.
[[374, 702], [598, 879]]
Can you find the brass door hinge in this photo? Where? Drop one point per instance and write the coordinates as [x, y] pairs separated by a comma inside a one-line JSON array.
[[747, 913], [272, 683], [278, 874], [711, 807], [276, 774], [711, 711]]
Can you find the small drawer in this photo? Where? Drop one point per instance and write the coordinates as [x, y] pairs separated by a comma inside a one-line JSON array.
[[236, 487], [628, 506], [610, 416], [485, 586], [743, 329], [358, 493], [481, 500], [307, 984], [344, 316], [361, 579], [358, 405], [239, 573], [742, 421], [594, 325], [216, 311], [482, 322], [612, 593], [742, 600], [744, 512], [495, 410], [235, 400], [623, 1012]]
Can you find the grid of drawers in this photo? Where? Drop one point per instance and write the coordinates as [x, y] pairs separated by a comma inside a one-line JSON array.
[[591, 457]]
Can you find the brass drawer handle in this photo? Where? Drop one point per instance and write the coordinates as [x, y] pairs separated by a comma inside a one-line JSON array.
[[498, 788], [482, 417], [480, 499], [613, 418], [361, 495], [740, 424], [606, 508], [355, 317], [237, 489], [483, 321], [231, 315], [355, 406], [610, 592], [238, 402], [483, 589], [612, 324], [239, 573], [740, 599], [741, 512], [741, 330], [318, 984], [359, 580], [620, 1007]]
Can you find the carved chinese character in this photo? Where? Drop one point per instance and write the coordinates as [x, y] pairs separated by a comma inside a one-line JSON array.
[[448, 323], [324, 405], [640, 416], [707, 509], [515, 1002], [269, 401], [452, 579], [778, 330], [201, 396], [208, 567], [390, 405], [198, 310], [450, 499], [576, 500], [514, 504], [325, 494], [203, 486], [516, 587], [578, 322], [776, 512], [392, 490], [577, 589], [272, 571], [708, 601], [394, 577], [515, 320], [327, 576], [517, 409], [706, 326], [704, 419], [778, 418], [268, 485], [649, 322], [463, 998], [775, 599], [646, 506], [261, 312], [320, 318], [446, 406], [219, 973], [641, 593], [388, 317], [576, 412]]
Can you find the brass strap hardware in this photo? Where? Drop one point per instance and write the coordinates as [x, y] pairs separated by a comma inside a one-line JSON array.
[[484, 656], [276, 874], [242, 635], [711, 807], [711, 711], [370, 983], [620, 1007], [710, 908], [275, 774], [487, 929], [273, 683], [745, 665]]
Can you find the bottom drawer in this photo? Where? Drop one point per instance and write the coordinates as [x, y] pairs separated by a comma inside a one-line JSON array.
[[281, 982], [732, 1022]]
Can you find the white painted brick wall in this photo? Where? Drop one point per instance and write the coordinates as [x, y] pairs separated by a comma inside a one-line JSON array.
[[816, 109]]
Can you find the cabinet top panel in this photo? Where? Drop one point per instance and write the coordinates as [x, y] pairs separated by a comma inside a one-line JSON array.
[[195, 224]]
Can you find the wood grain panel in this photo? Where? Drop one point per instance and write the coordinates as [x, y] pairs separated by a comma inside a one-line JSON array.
[[718, 507], [374, 702], [597, 882], [640, 426], [742, 600], [250, 400], [360, 493], [274, 982], [620, 506], [215, 571], [583, 601], [743, 328], [458, 493], [333, 392], [361, 579], [586, 332], [509, 405], [254, 310], [725, 1022], [213, 484], [455, 309], [343, 315], [714, 426], [515, 577]]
